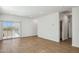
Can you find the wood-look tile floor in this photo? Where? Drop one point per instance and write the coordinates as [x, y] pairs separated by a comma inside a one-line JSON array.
[[36, 45]]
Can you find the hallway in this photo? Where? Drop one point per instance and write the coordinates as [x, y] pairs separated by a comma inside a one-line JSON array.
[[36, 45]]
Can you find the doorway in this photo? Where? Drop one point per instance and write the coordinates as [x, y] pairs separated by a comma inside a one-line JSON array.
[[10, 29], [66, 26]]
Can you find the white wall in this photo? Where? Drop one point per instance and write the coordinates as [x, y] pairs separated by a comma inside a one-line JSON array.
[[0, 31], [75, 27], [48, 27], [27, 25], [28, 28], [35, 25]]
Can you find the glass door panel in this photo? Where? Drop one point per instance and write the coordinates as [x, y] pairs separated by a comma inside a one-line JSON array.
[[11, 29]]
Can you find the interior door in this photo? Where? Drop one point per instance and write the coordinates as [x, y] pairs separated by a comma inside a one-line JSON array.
[[70, 26], [65, 27]]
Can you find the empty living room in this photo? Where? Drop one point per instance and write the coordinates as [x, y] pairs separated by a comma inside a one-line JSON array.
[[39, 29]]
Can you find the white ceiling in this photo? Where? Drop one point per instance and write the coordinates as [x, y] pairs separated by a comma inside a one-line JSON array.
[[33, 11]]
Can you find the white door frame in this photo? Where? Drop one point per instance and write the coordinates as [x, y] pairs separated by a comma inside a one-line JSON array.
[[10, 21]]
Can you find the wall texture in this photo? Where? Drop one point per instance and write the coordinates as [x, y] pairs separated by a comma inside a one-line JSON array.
[[75, 26], [48, 27], [28, 28]]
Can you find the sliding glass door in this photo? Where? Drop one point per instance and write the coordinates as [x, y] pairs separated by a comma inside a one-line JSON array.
[[11, 29]]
